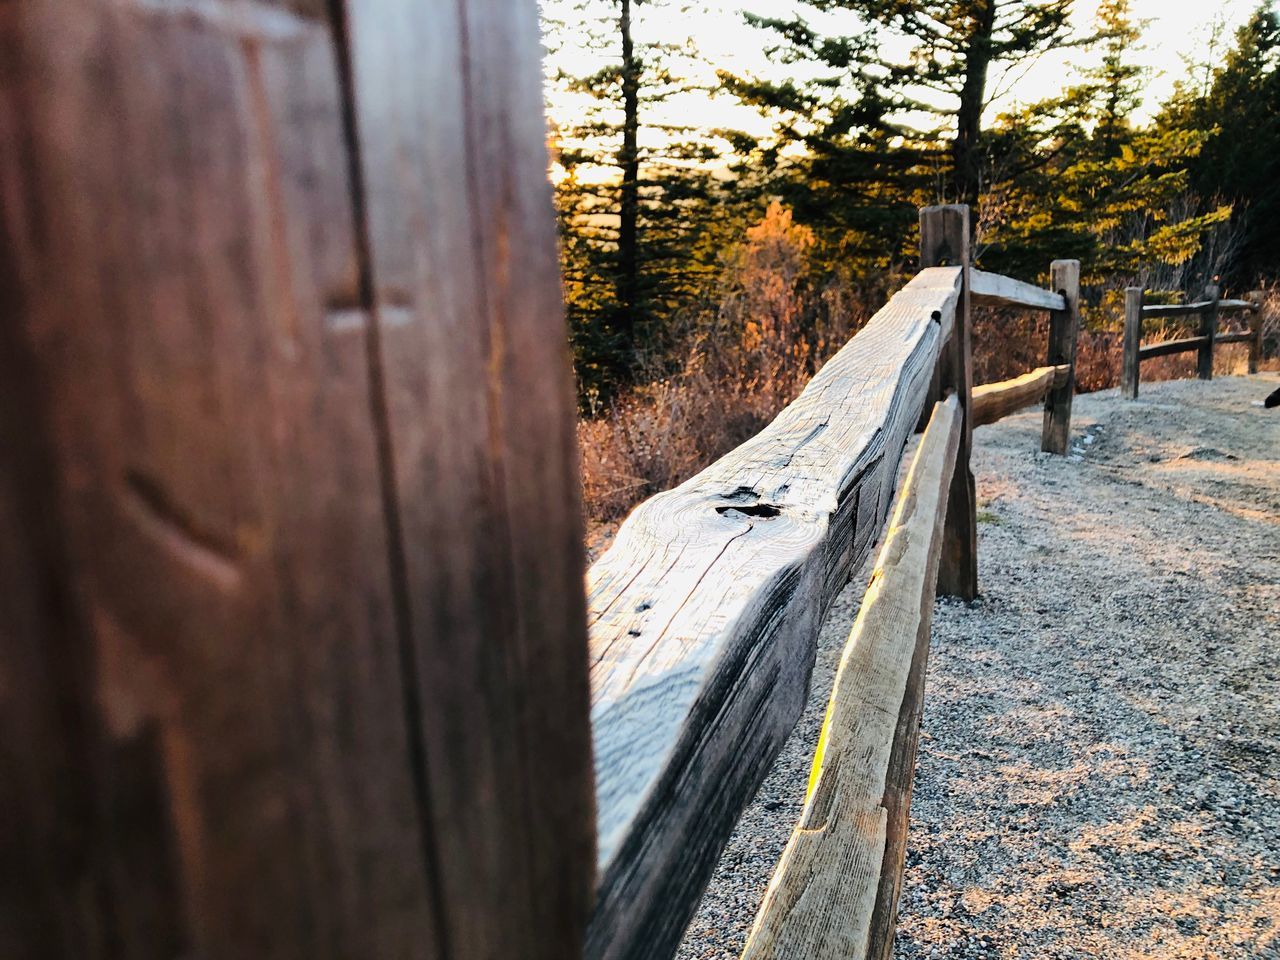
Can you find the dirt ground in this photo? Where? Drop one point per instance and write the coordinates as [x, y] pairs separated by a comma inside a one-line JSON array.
[[1099, 771]]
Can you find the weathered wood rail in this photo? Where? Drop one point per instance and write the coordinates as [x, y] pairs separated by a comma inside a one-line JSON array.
[[995, 401], [296, 659], [1208, 311], [705, 611]]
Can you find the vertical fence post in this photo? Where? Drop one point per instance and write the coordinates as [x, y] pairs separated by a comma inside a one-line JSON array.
[[293, 654], [944, 239], [1064, 328], [1208, 328], [1255, 328], [1131, 368]]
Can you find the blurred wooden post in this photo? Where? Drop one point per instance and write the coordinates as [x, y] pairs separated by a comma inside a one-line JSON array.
[[1064, 327], [944, 240], [1209, 329], [292, 630], [1131, 369], [1255, 328]]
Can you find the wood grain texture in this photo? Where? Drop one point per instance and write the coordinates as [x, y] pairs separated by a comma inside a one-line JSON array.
[[1130, 360], [1064, 328], [944, 238], [835, 891], [1208, 330], [995, 401], [231, 579], [997, 290], [705, 612], [481, 415], [1169, 347]]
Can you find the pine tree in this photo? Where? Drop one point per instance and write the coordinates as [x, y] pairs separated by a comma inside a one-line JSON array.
[[638, 194], [839, 159], [1240, 162], [857, 117], [1083, 180]]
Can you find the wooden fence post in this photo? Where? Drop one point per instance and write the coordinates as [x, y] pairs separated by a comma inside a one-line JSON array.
[[1255, 328], [1208, 328], [1064, 327], [1131, 367], [291, 609], [944, 239]]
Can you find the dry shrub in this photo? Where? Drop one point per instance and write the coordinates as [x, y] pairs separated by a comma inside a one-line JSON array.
[[1008, 343], [1271, 327], [767, 337]]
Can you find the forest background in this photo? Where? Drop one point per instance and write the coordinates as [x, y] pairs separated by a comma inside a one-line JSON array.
[[726, 226]]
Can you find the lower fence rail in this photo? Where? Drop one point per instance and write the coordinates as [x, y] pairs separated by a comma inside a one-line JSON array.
[[995, 401], [835, 891], [1168, 348]]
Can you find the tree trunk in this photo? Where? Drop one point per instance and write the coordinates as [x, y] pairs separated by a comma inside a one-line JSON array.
[[629, 206], [966, 150]]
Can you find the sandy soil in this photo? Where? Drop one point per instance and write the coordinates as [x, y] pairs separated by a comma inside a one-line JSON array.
[[1099, 773]]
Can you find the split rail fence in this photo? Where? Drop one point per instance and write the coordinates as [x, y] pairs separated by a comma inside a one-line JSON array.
[[1208, 312], [295, 657], [704, 616]]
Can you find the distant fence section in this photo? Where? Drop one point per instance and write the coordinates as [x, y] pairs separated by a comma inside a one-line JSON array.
[[1209, 312]]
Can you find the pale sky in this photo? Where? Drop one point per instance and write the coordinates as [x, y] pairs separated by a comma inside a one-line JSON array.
[[1175, 29]]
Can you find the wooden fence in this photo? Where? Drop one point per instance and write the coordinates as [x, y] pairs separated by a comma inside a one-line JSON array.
[[1207, 311], [296, 660], [705, 612]]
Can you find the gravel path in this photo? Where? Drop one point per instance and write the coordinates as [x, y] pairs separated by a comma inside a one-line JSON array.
[[1099, 772]]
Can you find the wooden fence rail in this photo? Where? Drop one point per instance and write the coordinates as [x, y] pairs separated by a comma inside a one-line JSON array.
[[994, 290], [1168, 348], [705, 611], [1157, 310], [995, 401], [704, 616]]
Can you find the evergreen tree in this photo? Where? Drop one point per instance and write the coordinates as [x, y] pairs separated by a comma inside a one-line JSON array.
[[840, 159], [887, 132], [638, 194], [1083, 180], [1240, 162]]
